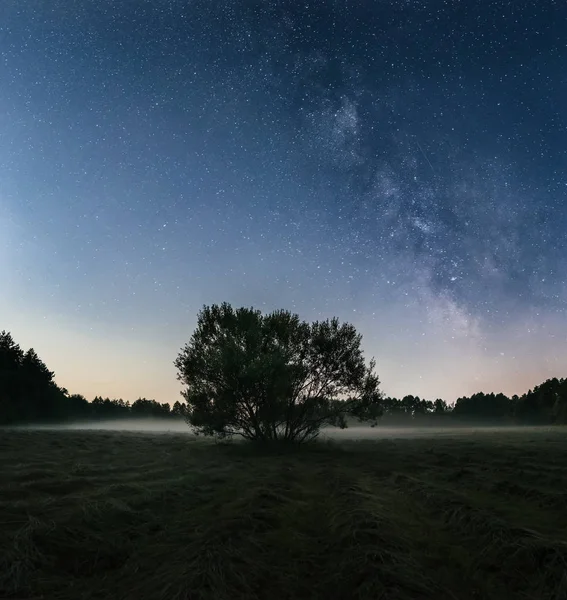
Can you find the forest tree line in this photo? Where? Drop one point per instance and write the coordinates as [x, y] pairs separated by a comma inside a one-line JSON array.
[[29, 394]]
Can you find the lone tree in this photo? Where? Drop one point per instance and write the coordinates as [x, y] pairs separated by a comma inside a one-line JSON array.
[[274, 377]]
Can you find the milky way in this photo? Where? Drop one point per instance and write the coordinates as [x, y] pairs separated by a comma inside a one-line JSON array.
[[402, 165]]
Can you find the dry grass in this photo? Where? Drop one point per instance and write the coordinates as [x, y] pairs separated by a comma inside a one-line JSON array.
[[136, 516]]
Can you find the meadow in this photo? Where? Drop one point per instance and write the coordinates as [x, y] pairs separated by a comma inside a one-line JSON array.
[[441, 515]]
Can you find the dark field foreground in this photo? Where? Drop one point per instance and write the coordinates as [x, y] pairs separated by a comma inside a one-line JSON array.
[[114, 515]]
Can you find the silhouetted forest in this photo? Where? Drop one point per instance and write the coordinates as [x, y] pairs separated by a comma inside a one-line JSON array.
[[546, 404], [29, 394]]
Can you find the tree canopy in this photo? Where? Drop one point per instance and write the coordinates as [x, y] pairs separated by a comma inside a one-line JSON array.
[[274, 377], [29, 394]]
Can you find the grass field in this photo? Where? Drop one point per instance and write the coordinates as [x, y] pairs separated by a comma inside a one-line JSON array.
[[138, 516]]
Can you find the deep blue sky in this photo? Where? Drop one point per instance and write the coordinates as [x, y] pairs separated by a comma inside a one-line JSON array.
[[399, 164]]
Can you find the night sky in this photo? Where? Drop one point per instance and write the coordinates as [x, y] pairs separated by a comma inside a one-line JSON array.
[[401, 164]]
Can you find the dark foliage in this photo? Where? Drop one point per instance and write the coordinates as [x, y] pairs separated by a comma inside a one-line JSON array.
[[29, 394], [546, 404], [274, 377]]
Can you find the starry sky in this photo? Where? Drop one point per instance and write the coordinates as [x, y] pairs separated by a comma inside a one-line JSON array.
[[401, 164]]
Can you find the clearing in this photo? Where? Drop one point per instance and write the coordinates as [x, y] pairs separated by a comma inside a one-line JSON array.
[[95, 514]]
